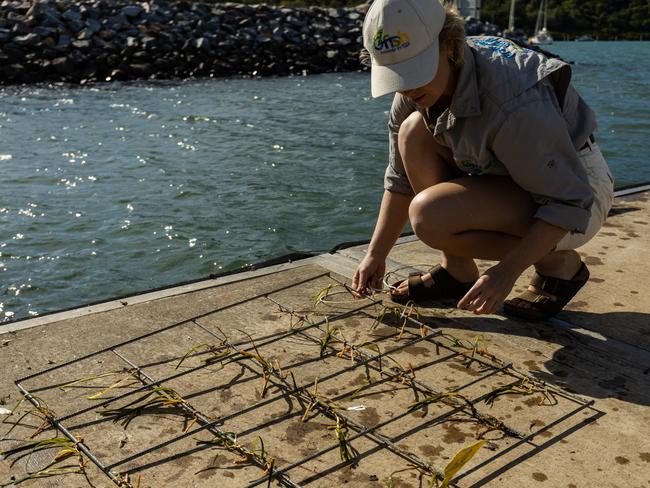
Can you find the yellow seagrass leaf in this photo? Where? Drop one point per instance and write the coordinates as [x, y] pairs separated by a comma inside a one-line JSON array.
[[460, 459]]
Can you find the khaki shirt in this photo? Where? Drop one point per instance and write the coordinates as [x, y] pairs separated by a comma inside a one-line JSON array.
[[514, 112]]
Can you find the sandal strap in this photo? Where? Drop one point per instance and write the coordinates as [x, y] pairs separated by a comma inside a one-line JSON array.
[[561, 290], [440, 276], [533, 296], [415, 285], [546, 296], [443, 285]]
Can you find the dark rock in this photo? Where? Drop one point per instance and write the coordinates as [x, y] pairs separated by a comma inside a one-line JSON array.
[[63, 65], [15, 17], [200, 10], [116, 22], [5, 35], [43, 31], [51, 18], [11, 71], [90, 12], [132, 10], [142, 69], [27, 40], [116, 39], [21, 29], [262, 39], [105, 34], [83, 45], [30, 76], [78, 57], [49, 42], [85, 34], [148, 42], [72, 15], [99, 44], [75, 25], [94, 25], [201, 43], [43, 63], [49, 51], [116, 74], [141, 56], [64, 41]]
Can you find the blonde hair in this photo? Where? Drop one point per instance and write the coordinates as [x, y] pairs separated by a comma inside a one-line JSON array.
[[451, 37]]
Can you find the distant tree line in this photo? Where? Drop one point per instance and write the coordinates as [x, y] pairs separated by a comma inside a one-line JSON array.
[[601, 19]]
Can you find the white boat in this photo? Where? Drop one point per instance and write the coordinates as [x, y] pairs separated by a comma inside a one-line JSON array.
[[542, 36]]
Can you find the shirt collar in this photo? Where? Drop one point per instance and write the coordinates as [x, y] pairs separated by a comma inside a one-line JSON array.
[[465, 101]]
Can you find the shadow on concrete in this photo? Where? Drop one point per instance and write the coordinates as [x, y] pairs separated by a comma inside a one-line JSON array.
[[586, 365], [633, 325]]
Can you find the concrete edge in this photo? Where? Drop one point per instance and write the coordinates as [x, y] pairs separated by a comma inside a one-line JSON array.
[[632, 190], [154, 295]]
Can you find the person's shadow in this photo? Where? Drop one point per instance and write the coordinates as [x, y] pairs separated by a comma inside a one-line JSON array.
[[588, 363]]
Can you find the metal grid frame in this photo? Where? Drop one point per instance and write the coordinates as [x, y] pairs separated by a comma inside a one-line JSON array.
[[362, 358]]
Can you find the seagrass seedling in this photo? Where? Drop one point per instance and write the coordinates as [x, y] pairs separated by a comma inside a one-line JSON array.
[[66, 449], [159, 397]]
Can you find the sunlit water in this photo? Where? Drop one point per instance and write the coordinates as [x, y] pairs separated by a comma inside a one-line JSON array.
[[119, 188]]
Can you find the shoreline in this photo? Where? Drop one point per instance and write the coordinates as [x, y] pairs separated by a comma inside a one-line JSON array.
[[117, 40]]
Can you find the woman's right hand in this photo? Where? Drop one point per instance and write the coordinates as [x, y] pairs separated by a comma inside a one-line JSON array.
[[369, 275]]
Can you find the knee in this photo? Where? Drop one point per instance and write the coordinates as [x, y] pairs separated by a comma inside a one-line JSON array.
[[410, 135], [428, 217]]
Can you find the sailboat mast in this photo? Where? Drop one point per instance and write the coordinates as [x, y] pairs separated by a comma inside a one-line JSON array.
[[538, 23], [545, 12], [511, 19]]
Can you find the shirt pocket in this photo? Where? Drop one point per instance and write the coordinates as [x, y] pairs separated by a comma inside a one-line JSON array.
[[472, 164]]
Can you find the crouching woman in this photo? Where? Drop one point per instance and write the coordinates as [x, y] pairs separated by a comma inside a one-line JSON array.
[[491, 156]]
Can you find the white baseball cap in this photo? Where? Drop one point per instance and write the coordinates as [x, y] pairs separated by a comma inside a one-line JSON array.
[[402, 39]]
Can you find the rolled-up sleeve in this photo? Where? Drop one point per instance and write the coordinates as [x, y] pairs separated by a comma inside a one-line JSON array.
[[395, 178], [533, 143]]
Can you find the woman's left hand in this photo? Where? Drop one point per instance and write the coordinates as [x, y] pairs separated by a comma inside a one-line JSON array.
[[490, 290]]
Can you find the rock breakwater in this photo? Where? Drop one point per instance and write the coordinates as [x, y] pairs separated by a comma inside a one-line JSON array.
[[105, 40], [111, 40]]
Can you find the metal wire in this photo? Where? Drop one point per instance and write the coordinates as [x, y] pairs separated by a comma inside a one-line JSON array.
[[511, 369], [361, 357]]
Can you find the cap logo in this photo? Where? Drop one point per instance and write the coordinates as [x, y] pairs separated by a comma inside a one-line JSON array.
[[385, 43]]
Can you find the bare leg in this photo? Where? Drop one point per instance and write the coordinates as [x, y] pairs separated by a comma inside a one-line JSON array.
[[473, 216], [427, 164], [559, 264], [481, 217], [469, 216]]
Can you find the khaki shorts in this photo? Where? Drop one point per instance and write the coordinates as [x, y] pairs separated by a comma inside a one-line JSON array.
[[602, 184]]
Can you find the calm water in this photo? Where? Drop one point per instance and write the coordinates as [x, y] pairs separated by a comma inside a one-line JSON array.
[[119, 188]]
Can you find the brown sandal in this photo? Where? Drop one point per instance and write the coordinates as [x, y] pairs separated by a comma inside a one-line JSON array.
[[546, 296], [443, 286]]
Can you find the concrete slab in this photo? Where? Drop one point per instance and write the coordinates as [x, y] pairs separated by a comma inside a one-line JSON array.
[[581, 393]]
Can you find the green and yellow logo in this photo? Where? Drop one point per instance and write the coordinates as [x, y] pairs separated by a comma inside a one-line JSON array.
[[386, 43]]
